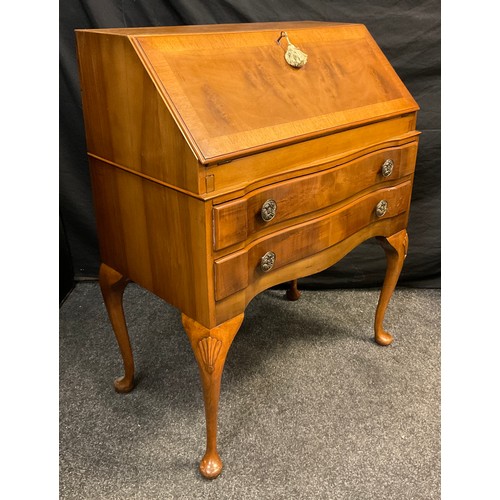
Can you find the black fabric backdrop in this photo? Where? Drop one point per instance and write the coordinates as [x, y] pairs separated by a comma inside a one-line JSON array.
[[408, 33]]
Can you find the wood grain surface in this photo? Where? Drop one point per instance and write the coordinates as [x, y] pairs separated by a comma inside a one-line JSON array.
[[190, 130], [241, 95], [240, 220], [156, 236], [126, 119], [228, 307], [236, 271], [210, 347]]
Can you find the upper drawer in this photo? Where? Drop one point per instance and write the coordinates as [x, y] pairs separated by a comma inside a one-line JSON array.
[[237, 220], [267, 255]]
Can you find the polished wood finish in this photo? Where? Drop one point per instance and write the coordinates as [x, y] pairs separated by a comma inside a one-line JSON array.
[[191, 130], [138, 133], [210, 347], [211, 28], [235, 271], [112, 287], [396, 249], [240, 220], [231, 305], [220, 117], [231, 179], [156, 236]]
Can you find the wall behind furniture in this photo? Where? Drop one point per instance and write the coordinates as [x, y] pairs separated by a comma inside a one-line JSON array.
[[407, 32]]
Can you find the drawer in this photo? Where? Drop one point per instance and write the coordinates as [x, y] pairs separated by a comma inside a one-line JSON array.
[[238, 220], [237, 270]]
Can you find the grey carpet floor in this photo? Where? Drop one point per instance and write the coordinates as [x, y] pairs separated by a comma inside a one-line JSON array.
[[311, 407]]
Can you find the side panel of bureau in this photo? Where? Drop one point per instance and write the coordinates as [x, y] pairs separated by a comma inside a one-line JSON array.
[[156, 236], [126, 119]]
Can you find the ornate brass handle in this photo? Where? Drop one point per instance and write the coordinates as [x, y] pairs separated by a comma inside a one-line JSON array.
[[387, 167], [293, 55], [268, 210], [267, 261], [381, 208]]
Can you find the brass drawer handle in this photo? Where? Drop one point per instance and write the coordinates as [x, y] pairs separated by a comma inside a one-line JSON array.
[[381, 208], [267, 261], [293, 55], [387, 167], [268, 210]]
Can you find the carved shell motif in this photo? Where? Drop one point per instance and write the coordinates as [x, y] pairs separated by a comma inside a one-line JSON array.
[[209, 350]]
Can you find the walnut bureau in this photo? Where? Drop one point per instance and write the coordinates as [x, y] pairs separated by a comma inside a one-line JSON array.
[[227, 159]]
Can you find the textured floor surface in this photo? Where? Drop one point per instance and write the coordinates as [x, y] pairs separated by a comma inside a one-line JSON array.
[[311, 407]]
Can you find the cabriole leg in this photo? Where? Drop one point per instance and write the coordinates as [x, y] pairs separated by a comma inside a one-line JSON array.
[[210, 347], [112, 287], [396, 248], [293, 292]]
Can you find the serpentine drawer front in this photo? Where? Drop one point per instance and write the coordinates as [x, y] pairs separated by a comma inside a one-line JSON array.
[[248, 216], [226, 159], [234, 272]]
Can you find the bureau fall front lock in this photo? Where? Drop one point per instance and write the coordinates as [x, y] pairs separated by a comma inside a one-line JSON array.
[[221, 167]]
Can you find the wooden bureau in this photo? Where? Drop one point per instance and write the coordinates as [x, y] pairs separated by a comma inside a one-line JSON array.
[[223, 163]]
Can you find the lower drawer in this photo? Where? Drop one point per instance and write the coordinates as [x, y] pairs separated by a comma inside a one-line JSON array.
[[234, 272]]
